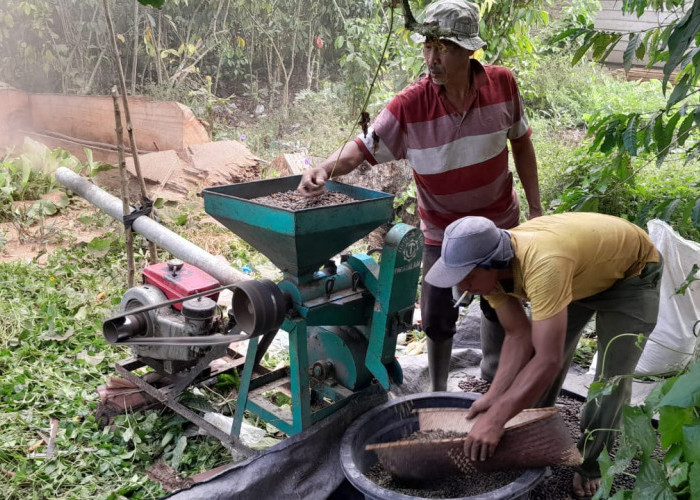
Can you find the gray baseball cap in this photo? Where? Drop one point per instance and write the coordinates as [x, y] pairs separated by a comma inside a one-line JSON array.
[[458, 16], [469, 242]]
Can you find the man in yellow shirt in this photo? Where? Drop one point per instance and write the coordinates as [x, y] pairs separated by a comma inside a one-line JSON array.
[[569, 267]]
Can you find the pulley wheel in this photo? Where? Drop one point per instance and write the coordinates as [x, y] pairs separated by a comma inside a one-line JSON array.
[[258, 307]]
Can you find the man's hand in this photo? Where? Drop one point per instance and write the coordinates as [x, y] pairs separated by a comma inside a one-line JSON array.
[[341, 162], [479, 406], [482, 440], [313, 182], [535, 212]]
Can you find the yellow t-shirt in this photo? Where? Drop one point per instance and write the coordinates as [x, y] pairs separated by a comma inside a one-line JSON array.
[[566, 257]]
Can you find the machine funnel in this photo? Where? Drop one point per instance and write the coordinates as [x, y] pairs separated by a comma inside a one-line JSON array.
[[298, 242]]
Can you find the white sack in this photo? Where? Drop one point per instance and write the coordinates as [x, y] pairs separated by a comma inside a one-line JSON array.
[[677, 313]]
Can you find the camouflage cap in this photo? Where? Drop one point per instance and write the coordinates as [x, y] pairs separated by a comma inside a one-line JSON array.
[[459, 17]]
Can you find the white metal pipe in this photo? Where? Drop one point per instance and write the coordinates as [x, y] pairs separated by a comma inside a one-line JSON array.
[[151, 230]]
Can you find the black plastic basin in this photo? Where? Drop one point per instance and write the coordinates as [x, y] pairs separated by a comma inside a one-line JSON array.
[[395, 420]]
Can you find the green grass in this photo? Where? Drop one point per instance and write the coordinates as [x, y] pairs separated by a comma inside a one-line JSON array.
[[52, 359], [560, 99], [565, 95]]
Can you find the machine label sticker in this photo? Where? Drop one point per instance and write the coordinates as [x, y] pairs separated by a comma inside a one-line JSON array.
[[407, 267], [410, 246]]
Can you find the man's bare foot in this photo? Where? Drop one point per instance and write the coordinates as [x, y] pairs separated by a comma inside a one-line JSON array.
[[585, 487]]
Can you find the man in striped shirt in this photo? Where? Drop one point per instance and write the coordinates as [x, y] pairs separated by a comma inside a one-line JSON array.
[[453, 126]]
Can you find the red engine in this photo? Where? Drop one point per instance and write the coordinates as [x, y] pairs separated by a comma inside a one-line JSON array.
[[177, 279]]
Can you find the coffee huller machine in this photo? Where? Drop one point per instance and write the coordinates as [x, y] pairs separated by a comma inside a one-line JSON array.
[[342, 318]]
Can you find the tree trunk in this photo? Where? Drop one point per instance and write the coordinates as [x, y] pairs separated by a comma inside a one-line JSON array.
[[156, 50], [221, 53], [135, 55], [88, 85], [310, 58]]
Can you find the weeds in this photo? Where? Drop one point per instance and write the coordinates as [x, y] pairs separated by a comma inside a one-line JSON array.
[[52, 358], [674, 472]]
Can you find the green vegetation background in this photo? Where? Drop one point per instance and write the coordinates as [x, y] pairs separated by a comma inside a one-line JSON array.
[[52, 354]]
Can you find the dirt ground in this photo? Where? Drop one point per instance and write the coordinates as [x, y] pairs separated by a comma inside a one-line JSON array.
[[39, 240], [81, 221]]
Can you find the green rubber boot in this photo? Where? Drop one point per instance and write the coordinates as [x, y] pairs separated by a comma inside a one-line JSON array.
[[439, 354]]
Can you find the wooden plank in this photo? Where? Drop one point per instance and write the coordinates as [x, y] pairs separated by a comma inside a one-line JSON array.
[[625, 25], [76, 148], [14, 116], [156, 167], [644, 74], [158, 125], [223, 162], [611, 18]]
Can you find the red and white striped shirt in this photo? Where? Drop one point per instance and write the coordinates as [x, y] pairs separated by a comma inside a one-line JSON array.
[[459, 160]]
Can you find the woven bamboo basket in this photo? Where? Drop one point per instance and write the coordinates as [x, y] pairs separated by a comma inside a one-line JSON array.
[[534, 438]]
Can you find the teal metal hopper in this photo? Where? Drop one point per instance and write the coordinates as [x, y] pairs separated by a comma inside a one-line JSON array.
[[297, 242]]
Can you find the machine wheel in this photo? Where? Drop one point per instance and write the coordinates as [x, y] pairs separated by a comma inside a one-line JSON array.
[[145, 295], [342, 350]]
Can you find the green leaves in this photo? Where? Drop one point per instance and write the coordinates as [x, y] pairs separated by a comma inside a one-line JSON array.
[[178, 452], [651, 482], [685, 392], [640, 131], [681, 38], [691, 442], [622, 137], [629, 136], [672, 419], [694, 480], [600, 42], [101, 245], [691, 277], [637, 131], [631, 51], [153, 3], [638, 430], [677, 403], [506, 27]]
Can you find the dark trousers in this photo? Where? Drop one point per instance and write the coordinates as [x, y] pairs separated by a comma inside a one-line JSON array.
[[438, 314], [625, 316], [439, 317]]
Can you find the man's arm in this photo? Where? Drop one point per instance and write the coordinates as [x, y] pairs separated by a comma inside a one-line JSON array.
[[526, 388], [344, 160], [526, 166], [515, 353]]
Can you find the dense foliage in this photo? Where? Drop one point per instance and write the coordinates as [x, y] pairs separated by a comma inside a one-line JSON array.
[[651, 133], [669, 452], [252, 48]]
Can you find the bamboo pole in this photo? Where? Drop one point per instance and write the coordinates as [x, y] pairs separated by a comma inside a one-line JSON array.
[[122, 88], [135, 55], [128, 233]]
